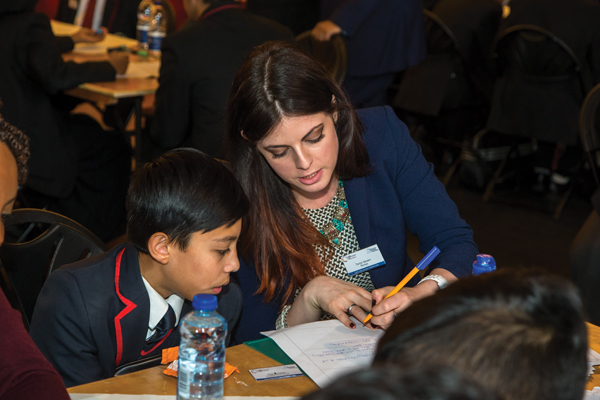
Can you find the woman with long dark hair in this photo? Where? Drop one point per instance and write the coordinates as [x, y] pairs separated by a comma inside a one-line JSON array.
[[325, 181]]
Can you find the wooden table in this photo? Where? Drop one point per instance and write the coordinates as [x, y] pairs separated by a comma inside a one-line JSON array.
[[153, 381]]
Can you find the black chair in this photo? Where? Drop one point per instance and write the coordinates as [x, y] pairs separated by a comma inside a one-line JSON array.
[[139, 365], [532, 54], [332, 54], [26, 263], [589, 130], [453, 118]]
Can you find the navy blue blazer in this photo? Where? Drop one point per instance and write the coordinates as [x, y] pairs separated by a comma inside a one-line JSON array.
[[400, 193], [381, 35], [92, 316]]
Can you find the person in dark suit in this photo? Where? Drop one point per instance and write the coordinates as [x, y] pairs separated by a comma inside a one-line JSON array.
[[382, 37], [298, 15], [24, 372], [549, 111], [119, 16], [197, 66], [442, 81], [184, 212], [325, 181], [76, 168]]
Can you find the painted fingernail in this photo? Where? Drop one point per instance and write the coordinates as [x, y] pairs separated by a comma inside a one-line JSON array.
[[352, 326], [373, 303]]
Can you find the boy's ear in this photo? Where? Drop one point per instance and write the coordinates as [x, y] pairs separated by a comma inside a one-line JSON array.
[[159, 246]]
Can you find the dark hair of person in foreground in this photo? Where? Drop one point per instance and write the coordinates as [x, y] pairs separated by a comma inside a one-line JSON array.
[[182, 192], [280, 80], [389, 383], [520, 333]]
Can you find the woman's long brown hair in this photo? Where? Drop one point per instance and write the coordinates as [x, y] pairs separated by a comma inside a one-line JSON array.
[[278, 80]]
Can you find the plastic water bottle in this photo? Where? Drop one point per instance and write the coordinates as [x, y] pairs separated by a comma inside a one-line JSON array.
[[145, 14], [485, 263], [202, 351], [158, 29]]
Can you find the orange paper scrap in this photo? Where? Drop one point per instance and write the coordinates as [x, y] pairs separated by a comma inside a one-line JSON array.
[[171, 355]]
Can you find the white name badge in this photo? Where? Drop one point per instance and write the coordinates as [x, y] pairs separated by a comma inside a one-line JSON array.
[[284, 371], [363, 260]]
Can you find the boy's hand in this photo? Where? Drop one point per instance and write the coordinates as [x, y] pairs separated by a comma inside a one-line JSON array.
[[86, 35]]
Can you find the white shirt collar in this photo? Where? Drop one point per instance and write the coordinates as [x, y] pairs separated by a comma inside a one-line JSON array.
[[159, 306]]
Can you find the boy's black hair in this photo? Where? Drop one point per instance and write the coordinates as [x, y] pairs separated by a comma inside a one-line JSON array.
[[389, 383], [182, 192], [521, 333]]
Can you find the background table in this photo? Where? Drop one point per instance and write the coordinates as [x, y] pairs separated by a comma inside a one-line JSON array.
[[153, 381], [109, 93]]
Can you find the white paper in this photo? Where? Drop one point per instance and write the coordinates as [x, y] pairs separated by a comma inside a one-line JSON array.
[[593, 359], [110, 41], [280, 372], [98, 396], [326, 350], [142, 69], [592, 394]]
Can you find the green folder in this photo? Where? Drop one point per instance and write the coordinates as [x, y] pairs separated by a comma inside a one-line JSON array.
[[269, 348]]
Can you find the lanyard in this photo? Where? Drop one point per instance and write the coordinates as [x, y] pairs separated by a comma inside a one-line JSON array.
[[216, 10]]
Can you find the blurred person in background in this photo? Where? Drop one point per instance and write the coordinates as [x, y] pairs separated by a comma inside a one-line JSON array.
[[76, 168], [118, 16], [383, 37], [197, 67]]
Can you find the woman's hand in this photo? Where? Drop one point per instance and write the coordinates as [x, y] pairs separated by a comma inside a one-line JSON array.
[[385, 311], [332, 295], [86, 35]]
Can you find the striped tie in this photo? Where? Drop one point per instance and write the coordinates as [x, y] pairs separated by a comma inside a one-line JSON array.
[[89, 14]]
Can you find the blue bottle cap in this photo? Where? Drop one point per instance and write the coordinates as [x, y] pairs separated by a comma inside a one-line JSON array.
[[484, 263], [205, 302]]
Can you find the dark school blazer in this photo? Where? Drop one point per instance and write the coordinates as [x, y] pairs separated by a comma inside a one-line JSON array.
[[381, 36], [92, 316], [400, 193]]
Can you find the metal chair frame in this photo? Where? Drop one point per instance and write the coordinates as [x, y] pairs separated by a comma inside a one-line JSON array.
[[340, 61], [590, 137], [532, 33], [65, 241]]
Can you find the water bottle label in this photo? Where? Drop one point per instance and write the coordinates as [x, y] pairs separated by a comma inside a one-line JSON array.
[[155, 40], [183, 383], [142, 33]]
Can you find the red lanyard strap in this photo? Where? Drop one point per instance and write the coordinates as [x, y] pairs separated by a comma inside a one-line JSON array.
[[216, 10]]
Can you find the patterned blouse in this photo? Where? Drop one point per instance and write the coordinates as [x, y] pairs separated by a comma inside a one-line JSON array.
[[335, 267]]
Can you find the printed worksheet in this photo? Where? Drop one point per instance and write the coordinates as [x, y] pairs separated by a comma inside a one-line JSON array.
[[327, 349]]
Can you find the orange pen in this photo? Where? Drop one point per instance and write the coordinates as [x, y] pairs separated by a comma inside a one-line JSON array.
[[419, 267]]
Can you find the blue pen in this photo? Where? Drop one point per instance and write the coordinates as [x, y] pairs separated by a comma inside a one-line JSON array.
[[99, 31], [419, 267]]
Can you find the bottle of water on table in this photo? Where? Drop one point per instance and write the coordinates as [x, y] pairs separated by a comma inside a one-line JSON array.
[[158, 29], [485, 263], [202, 351], [144, 18]]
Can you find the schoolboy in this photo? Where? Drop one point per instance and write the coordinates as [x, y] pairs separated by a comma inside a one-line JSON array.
[[519, 333], [184, 215]]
